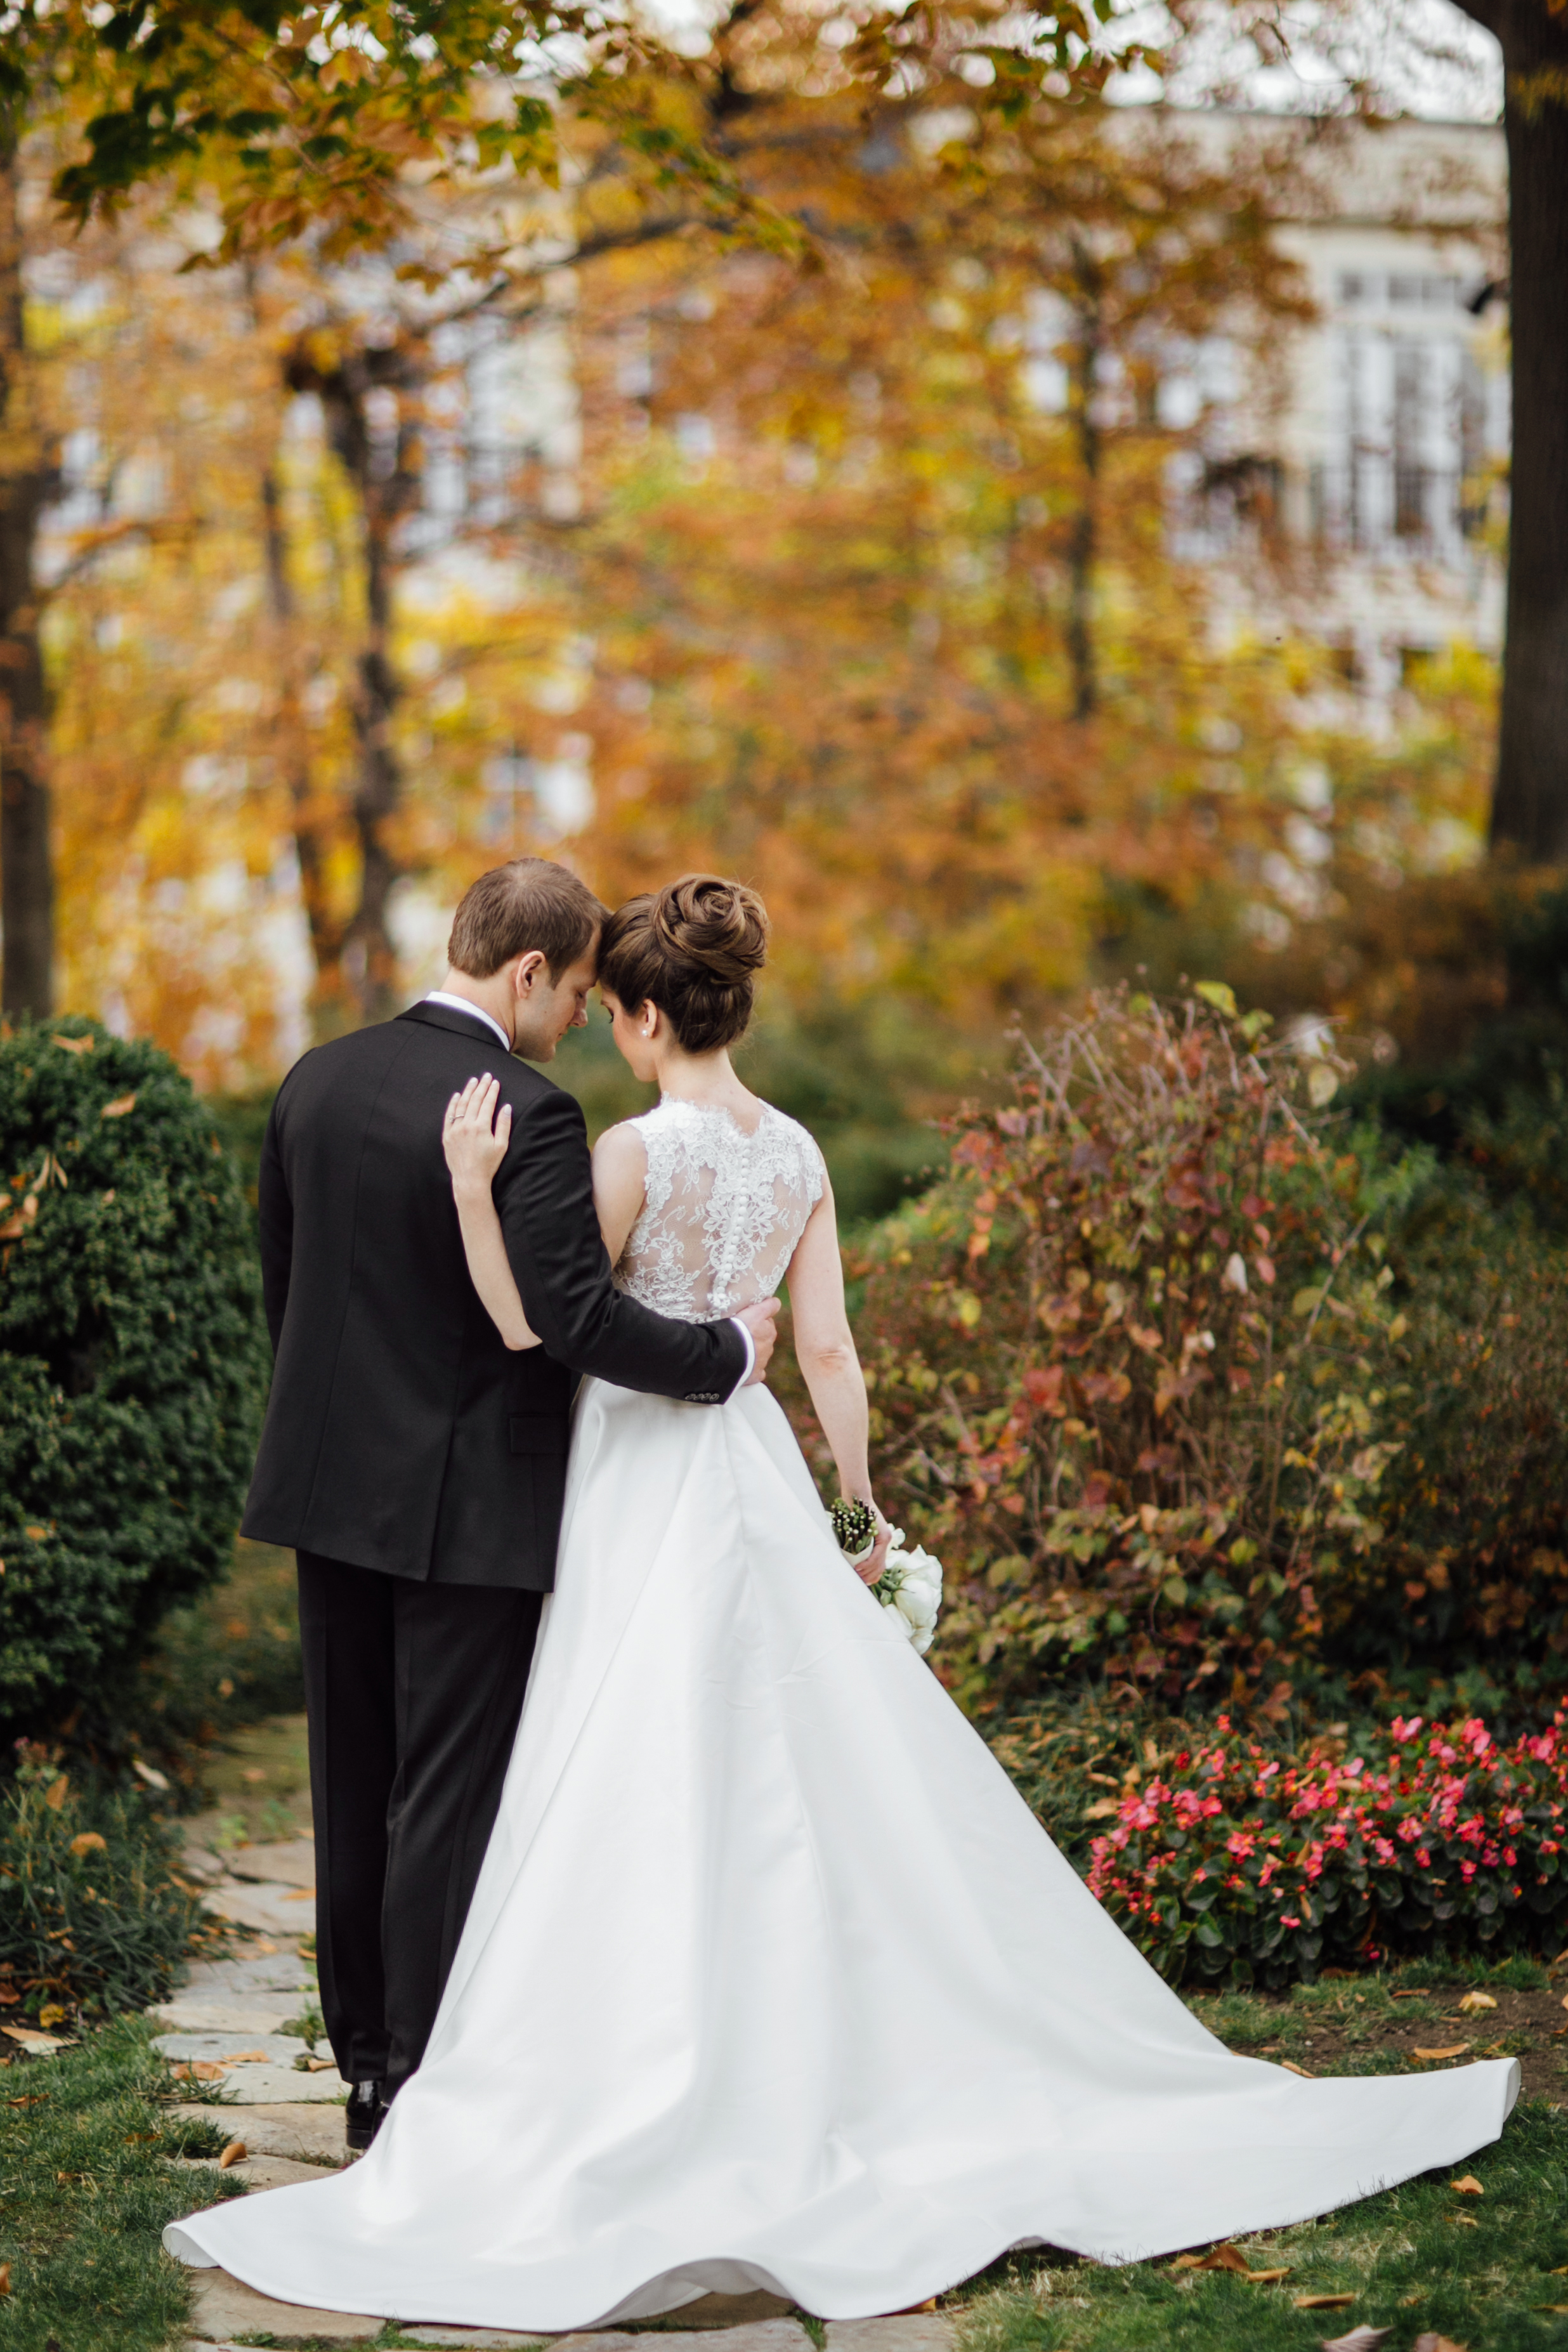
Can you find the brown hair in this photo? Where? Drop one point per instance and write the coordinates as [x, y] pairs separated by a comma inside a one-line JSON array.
[[694, 949], [528, 905]]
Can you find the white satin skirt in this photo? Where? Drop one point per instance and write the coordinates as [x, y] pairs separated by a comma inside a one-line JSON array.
[[773, 1981]]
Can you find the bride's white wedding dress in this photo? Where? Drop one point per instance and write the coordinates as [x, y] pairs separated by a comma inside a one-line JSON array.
[[771, 1979]]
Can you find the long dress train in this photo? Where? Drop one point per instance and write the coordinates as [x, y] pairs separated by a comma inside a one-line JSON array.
[[771, 1979]]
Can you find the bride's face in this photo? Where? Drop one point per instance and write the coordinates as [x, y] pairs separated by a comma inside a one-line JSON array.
[[636, 1034]]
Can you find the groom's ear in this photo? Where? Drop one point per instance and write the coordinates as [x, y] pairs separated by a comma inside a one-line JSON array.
[[525, 972]]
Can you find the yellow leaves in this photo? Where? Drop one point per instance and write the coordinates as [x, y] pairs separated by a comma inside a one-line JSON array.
[[55, 1795], [1227, 2257], [1323, 1085], [36, 2044], [75, 1045], [188, 2070], [1474, 2002], [52, 2013], [1291, 2068], [119, 1107], [16, 1226], [4, 2278], [234, 2153], [244, 2058], [1468, 2186], [88, 1842], [1435, 2057], [1216, 993], [36, 1534], [1323, 2302], [1307, 1301]]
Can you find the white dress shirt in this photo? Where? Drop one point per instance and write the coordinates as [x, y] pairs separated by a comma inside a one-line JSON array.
[[461, 1005]]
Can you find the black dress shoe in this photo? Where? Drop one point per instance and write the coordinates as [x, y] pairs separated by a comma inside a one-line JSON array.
[[365, 2113]]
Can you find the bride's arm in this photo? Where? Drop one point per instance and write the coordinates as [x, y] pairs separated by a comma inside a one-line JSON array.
[[475, 1142], [620, 1181], [825, 1351]]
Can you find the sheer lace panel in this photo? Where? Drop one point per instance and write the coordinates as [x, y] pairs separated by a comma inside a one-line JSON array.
[[722, 1212]]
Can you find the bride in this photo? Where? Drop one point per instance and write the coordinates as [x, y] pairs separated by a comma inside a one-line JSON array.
[[771, 1979]]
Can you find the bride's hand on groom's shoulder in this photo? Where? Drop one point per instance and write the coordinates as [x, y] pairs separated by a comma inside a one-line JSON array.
[[473, 1138], [762, 1322]]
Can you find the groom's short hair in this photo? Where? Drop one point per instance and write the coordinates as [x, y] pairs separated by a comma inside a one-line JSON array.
[[525, 907]]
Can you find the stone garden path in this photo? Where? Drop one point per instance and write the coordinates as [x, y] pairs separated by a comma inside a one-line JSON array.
[[284, 2099]]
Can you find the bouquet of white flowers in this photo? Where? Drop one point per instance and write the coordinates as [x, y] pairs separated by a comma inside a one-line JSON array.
[[910, 1589]]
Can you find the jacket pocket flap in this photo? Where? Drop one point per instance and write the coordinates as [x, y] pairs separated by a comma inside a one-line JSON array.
[[538, 1433]]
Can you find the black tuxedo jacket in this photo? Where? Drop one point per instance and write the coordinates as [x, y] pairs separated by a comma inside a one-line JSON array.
[[401, 1433]]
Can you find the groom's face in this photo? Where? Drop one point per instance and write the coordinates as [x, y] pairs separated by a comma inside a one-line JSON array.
[[551, 1007]]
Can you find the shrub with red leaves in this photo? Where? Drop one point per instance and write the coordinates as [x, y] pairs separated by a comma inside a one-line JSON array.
[[1124, 1362], [1231, 1859]]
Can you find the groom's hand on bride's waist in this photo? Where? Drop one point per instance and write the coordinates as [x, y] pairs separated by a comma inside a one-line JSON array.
[[762, 1322]]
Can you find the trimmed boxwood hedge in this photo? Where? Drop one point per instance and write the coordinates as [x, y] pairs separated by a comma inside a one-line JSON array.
[[133, 1359]]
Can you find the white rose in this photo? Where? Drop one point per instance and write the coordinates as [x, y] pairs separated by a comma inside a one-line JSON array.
[[919, 1604], [920, 1568]]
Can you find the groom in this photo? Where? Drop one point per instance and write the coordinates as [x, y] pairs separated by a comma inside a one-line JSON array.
[[415, 1464]]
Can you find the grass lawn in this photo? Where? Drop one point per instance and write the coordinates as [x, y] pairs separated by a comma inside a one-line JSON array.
[[85, 2190], [1421, 2259]]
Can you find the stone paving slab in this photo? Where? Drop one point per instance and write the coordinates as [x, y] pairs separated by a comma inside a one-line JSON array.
[[764, 2336], [256, 2171], [226, 2044], [481, 2339], [290, 1862], [210, 2013], [309, 2134], [226, 2308], [275, 1910], [274, 2087], [260, 1972]]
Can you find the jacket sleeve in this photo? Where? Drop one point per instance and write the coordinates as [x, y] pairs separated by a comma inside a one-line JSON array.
[[544, 1195], [275, 1213]]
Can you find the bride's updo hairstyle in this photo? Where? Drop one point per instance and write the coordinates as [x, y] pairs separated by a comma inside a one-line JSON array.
[[694, 949]]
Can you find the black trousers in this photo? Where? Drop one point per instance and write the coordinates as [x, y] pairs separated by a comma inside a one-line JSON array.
[[414, 1693]]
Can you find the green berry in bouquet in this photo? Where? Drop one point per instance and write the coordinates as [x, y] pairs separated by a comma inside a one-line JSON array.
[[854, 1528]]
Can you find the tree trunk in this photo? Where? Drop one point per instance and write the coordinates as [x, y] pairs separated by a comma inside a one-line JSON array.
[[1083, 544], [26, 874], [1530, 805], [310, 844]]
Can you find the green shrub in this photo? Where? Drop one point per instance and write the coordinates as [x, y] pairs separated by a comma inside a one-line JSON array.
[[1125, 1361], [133, 1361], [92, 1917]]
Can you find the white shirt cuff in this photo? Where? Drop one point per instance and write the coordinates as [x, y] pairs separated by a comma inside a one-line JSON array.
[[744, 1331]]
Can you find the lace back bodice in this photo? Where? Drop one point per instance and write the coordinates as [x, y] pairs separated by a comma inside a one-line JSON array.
[[723, 1210]]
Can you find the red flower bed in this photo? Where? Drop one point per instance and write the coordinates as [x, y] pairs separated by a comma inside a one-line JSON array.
[[1234, 1861]]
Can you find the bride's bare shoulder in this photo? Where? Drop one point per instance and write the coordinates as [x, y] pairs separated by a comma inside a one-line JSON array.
[[620, 1154]]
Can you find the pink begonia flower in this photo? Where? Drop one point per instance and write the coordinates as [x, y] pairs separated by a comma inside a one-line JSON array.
[[1286, 1921]]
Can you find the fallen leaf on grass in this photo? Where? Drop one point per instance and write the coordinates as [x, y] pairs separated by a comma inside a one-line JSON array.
[[1218, 2258], [244, 2058], [1323, 2302], [31, 2040], [195, 2070], [90, 1841], [1468, 2186], [51, 2014], [1548, 2306], [1268, 2278], [1432, 2342], [1291, 2068], [1360, 2339], [1449, 2050], [4, 2278], [1406, 2300], [1407, 1992], [234, 2153], [118, 1106], [1476, 2001], [1464, 2220]]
